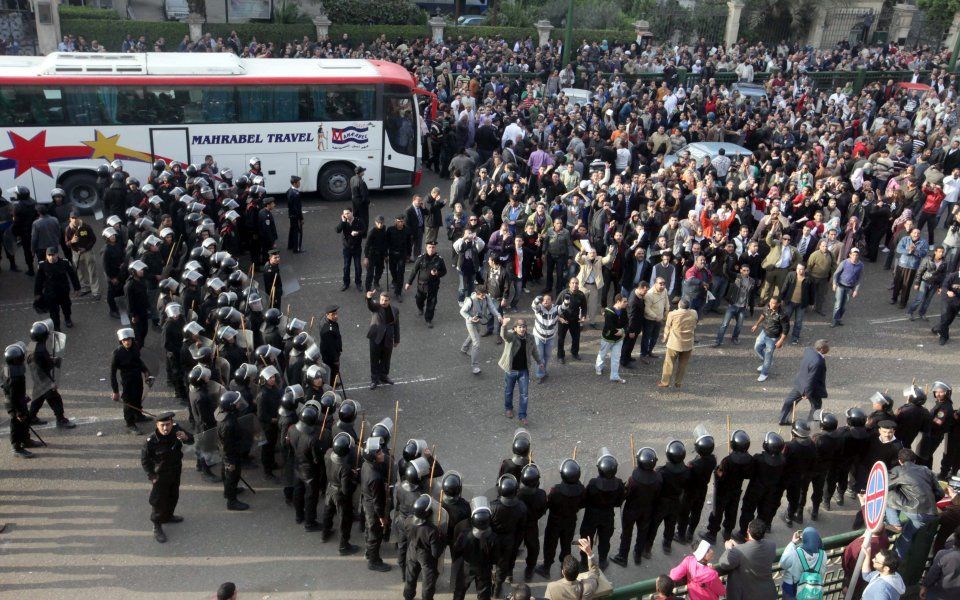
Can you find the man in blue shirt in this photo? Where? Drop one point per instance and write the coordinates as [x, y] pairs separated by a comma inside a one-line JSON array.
[[846, 284], [910, 251]]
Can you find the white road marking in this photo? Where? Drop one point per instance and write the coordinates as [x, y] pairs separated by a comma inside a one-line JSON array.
[[897, 319], [397, 381]]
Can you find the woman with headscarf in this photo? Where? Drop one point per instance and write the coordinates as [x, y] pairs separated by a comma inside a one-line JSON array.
[[702, 581], [804, 554]]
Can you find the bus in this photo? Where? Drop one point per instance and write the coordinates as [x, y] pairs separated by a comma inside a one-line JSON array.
[[65, 114]]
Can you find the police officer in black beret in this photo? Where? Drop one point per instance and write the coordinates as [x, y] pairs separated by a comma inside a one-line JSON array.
[[162, 460], [295, 212]]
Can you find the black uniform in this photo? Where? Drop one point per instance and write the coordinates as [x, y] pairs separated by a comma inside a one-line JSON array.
[[535, 500], [800, 454], [829, 446], [15, 390], [162, 459], [267, 230], [428, 284], [138, 305], [310, 471], [473, 560], [604, 495], [405, 496], [564, 501], [508, 521], [855, 441], [331, 346], [675, 479], [423, 554], [132, 371], [273, 286], [230, 440], [171, 338], [912, 420], [764, 490], [728, 480], [373, 495], [295, 212], [360, 198], [510, 466], [375, 252], [399, 240], [695, 494], [268, 409], [950, 306], [341, 485], [942, 422], [113, 266], [43, 368], [52, 287], [203, 405], [642, 493]]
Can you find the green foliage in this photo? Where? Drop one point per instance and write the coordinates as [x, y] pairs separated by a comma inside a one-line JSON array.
[[375, 12], [589, 14], [86, 12], [110, 34], [278, 33], [515, 14], [940, 9], [287, 13]]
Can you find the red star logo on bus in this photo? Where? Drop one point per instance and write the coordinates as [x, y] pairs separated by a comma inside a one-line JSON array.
[[35, 154]]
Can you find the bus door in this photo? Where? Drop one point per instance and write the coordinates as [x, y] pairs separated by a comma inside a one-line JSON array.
[[400, 139], [170, 143]]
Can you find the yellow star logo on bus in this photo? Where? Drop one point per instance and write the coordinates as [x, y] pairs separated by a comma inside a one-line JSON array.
[[108, 148]]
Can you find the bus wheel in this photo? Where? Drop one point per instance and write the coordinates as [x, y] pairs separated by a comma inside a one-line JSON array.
[[81, 190], [334, 183]]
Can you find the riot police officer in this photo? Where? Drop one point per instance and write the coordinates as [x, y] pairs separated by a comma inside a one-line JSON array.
[[855, 441], [126, 360], [564, 501], [912, 418], [535, 500], [508, 520], [829, 445], [15, 390], [800, 455], [474, 551], [373, 494], [882, 411], [695, 494], [230, 440], [676, 476], [341, 484], [43, 372], [171, 339], [734, 469], [642, 493], [268, 409], [520, 456], [405, 495], [942, 421], [309, 462], [764, 490], [204, 397], [162, 460], [605, 493], [426, 546]]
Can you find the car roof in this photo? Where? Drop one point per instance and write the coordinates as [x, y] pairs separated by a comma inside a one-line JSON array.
[[713, 148]]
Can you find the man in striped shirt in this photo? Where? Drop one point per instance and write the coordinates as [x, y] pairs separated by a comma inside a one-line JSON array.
[[545, 330]]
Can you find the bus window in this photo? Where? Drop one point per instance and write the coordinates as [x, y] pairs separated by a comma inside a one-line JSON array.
[[268, 105], [400, 123], [339, 103], [32, 106], [219, 105], [91, 105]]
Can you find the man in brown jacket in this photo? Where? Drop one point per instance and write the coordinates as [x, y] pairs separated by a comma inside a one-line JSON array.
[[569, 588], [678, 333], [820, 266]]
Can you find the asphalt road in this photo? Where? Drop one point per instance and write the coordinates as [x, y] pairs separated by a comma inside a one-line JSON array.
[[77, 515]]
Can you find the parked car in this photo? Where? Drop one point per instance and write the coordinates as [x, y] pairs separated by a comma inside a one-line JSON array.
[[698, 150], [751, 92], [175, 9], [472, 20], [577, 96]]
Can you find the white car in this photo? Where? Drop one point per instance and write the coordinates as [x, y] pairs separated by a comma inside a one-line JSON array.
[[698, 150], [577, 96], [175, 10]]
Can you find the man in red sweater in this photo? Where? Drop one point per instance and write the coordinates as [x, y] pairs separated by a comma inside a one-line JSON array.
[[932, 197]]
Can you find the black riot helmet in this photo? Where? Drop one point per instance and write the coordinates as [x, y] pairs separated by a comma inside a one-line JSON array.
[[347, 412], [739, 441], [272, 316], [39, 331], [676, 452], [828, 421], [309, 414], [411, 450], [14, 354], [856, 417], [301, 341], [801, 428], [607, 466], [342, 443], [507, 486], [452, 484], [159, 165], [202, 354], [773, 443], [647, 459], [199, 375], [382, 430], [882, 399], [521, 445], [423, 507], [411, 475], [570, 471], [480, 519], [327, 402], [229, 401], [530, 476], [704, 445], [915, 395]]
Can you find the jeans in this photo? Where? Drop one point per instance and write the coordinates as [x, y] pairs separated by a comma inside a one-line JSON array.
[[733, 312], [946, 208], [510, 379], [545, 348], [914, 521], [613, 349], [764, 347], [350, 255], [923, 299], [795, 313], [573, 327], [466, 285], [472, 343], [718, 287], [517, 286], [651, 330], [841, 297]]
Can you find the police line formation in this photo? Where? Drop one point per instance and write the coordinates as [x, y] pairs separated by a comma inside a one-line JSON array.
[[235, 358]]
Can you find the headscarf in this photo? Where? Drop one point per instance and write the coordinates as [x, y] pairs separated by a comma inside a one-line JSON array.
[[810, 541]]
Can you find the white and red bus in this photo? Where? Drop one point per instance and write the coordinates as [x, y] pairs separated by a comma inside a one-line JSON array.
[[65, 114]]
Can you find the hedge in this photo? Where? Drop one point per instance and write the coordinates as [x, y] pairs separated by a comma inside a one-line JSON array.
[[87, 12], [111, 33]]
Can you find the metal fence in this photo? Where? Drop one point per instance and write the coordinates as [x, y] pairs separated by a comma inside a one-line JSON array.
[[760, 22], [18, 29], [927, 30], [850, 25], [671, 22]]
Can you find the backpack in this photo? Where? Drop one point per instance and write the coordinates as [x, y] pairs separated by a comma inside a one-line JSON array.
[[810, 584]]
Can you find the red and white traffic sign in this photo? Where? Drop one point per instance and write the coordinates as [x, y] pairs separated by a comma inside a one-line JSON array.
[[875, 502]]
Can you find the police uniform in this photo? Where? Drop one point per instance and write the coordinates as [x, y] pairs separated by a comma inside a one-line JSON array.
[[273, 283], [295, 213], [162, 459]]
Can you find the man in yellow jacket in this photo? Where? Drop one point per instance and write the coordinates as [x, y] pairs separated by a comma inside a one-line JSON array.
[[678, 332]]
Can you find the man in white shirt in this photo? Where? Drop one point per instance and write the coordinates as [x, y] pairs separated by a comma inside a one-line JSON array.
[[951, 189], [722, 164]]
